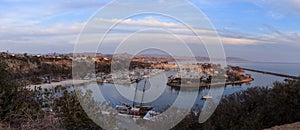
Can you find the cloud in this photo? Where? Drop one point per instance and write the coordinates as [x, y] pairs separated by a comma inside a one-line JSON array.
[[236, 41], [80, 5], [39, 26], [274, 36], [58, 38], [63, 34], [59, 29], [276, 9], [142, 22], [279, 9]]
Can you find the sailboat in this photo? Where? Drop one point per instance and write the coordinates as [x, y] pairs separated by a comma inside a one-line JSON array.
[[135, 110]]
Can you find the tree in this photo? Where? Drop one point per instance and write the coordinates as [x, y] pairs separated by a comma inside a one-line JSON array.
[[258, 108], [8, 90], [254, 108], [72, 114], [18, 105]]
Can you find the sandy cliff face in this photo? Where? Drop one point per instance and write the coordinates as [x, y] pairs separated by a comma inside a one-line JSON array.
[[293, 126], [20, 66], [34, 65]]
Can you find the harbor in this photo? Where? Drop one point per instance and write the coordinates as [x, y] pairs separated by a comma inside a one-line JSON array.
[[170, 93], [200, 77], [236, 80]]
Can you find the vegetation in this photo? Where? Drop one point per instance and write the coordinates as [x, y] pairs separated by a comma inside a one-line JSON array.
[[21, 108], [18, 106], [71, 112], [254, 108]]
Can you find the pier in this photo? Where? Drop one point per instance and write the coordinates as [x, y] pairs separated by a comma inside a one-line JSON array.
[[266, 72]]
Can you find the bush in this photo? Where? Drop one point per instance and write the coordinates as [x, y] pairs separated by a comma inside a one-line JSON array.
[[18, 105], [254, 108], [258, 108]]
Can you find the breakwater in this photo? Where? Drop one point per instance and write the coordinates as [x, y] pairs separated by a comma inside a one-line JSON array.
[[266, 72]]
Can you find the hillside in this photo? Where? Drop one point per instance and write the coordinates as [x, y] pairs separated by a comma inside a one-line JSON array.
[[25, 67], [293, 126]]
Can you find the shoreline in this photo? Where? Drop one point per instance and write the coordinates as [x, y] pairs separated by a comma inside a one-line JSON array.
[[61, 83]]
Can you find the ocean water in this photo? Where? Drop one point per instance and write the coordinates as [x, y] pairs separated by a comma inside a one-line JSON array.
[[284, 68], [163, 96]]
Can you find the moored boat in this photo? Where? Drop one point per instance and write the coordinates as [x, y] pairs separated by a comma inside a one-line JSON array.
[[134, 110], [206, 97]]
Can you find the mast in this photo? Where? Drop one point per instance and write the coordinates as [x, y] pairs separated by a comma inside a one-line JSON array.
[[144, 89], [136, 87]]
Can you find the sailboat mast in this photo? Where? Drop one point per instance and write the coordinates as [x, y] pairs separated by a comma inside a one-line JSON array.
[[136, 87], [143, 92]]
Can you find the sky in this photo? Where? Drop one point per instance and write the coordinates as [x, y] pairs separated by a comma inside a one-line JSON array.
[[256, 30]]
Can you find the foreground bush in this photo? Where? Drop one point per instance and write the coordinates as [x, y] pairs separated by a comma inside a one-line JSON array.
[[254, 108]]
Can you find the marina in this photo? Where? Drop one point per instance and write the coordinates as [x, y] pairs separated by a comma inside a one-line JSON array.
[[169, 94], [138, 108]]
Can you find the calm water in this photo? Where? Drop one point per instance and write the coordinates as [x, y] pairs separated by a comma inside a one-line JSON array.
[[164, 96]]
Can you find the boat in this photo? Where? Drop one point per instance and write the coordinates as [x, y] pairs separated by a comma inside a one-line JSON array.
[[134, 110], [137, 110], [122, 109], [206, 97], [150, 114]]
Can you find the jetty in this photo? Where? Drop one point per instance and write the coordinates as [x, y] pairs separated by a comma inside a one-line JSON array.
[[266, 72]]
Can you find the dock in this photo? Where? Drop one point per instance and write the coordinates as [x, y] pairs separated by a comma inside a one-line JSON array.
[[266, 72]]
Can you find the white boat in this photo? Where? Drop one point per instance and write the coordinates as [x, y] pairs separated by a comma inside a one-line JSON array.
[[206, 97], [150, 114]]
